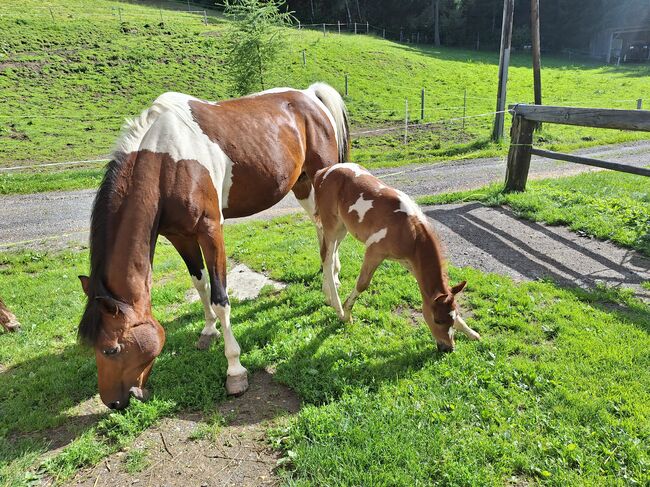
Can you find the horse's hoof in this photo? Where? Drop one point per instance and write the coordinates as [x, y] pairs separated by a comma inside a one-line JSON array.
[[236, 385], [206, 340]]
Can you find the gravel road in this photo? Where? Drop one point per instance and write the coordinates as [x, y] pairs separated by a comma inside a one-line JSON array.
[[53, 219]]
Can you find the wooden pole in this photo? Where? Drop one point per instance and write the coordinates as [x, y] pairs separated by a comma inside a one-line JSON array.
[[521, 136], [355, 27], [464, 108], [406, 120], [383, 34], [422, 105], [323, 29], [304, 58], [639, 104], [504, 62], [346, 85], [338, 23], [537, 50], [367, 27]]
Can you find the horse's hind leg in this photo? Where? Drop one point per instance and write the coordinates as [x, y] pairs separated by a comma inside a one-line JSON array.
[[189, 250], [212, 245], [304, 191]]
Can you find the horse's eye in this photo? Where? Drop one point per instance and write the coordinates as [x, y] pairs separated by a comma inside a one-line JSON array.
[[111, 351]]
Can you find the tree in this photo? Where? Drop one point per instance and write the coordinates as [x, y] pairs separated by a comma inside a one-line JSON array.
[[255, 39]]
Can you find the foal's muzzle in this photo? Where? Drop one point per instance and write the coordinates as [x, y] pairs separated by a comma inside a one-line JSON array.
[[444, 348]]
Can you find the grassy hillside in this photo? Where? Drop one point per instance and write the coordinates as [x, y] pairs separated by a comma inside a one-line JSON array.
[[70, 74]]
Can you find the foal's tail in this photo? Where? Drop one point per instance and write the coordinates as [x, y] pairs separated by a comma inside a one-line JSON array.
[[336, 106]]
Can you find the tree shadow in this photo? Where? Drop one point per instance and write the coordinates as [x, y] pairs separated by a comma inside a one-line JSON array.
[[534, 251]]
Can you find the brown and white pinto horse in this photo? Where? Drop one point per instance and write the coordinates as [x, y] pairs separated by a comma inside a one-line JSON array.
[[179, 170], [391, 226], [8, 320]]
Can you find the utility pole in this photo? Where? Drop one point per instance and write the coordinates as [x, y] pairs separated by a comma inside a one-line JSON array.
[[537, 50], [504, 62]]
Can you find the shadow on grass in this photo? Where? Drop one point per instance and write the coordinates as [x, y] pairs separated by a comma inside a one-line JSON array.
[[535, 251]]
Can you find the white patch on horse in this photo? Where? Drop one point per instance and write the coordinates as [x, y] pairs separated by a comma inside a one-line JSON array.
[[408, 206], [202, 285], [361, 207], [378, 236], [175, 132], [355, 168]]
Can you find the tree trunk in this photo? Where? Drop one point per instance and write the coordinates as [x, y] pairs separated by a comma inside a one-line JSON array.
[[436, 22], [312, 10], [347, 7]]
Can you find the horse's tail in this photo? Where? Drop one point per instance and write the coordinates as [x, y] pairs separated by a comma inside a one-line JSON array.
[[336, 106]]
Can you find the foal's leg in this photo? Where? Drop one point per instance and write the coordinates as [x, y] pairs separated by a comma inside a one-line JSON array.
[[370, 262], [304, 192], [7, 319], [331, 241], [215, 258], [189, 250]]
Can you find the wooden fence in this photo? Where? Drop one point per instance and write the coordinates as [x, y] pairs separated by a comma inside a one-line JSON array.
[[526, 118]]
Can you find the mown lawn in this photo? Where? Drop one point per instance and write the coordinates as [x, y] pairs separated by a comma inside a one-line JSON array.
[[558, 391], [68, 82], [607, 205]]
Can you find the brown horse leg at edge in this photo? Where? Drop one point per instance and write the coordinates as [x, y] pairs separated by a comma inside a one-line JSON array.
[[7, 319]]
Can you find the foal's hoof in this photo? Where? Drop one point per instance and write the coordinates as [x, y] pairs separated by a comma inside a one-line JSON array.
[[236, 385], [206, 340]]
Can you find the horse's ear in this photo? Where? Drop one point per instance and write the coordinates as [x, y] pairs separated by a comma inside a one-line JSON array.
[[85, 283], [458, 287], [112, 306], [442, 298]]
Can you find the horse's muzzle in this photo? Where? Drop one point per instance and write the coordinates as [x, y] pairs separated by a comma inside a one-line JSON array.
[[444, 348]]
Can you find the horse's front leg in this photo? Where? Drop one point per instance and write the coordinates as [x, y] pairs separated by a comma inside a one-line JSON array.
[[190, 251], [370, 262], [215, 257]]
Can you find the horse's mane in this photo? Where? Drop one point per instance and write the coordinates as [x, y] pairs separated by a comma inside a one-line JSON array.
[[90, 324], [106, 202]]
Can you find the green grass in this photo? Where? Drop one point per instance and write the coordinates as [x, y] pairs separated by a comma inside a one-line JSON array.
[[607, 205], [38, 182], [67, 84], [558, 391]]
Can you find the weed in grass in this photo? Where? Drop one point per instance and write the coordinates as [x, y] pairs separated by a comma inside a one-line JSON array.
[[210, 429], [136, 460]]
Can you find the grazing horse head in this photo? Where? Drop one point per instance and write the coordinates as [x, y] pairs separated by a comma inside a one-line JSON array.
[[443, 316], [179, 169], [125, 343]]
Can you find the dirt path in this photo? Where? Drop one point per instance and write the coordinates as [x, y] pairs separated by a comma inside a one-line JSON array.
[[238, 455], [58, 219]]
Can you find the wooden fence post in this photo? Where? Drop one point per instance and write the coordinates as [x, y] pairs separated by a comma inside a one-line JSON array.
[[346, 85], [422, 105], [367, 27], [406, 121], [639, 104], [323, 29], [521, 135], [383, 34], [338, 23], [304, 58], [355, 27]]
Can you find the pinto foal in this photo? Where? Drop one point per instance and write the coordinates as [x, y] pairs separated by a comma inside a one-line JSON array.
[[392, 226]]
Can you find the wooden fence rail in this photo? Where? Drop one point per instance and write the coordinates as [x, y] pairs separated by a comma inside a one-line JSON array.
[[526, 118]]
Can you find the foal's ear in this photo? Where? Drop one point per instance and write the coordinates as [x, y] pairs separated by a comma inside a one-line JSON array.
[[458, 287], [442, 298], [85, 282]]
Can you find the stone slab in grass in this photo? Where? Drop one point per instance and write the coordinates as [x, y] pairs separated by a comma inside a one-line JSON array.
[[243, 283]]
